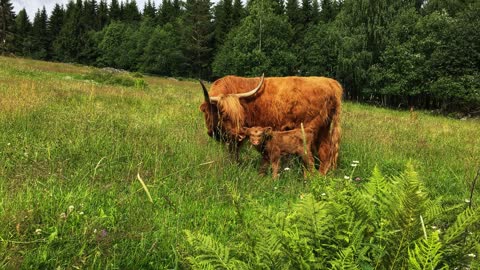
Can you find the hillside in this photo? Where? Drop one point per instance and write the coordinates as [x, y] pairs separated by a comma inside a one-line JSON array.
[[75, 142]]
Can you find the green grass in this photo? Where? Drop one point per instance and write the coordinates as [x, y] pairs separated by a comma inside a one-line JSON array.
[[66, 141]]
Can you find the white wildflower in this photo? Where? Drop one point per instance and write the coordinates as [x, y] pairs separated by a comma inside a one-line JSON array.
[[471, 255], [8, 144], [81, 213], [63, 215], [434, 227], [467, 200], [71, 208], [38, 231], [346, 177], [286, 169], [94, 230], [355, 161], [323, 194], [275, 188], [354, 164]]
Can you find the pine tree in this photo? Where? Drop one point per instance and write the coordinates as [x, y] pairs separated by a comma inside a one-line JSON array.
[[102, 14], [198, 37], [131, 13], [54, 26], [149, 10], [223, 20], [7, 27], [238, 12], [166, 12], [23, 41], [39, 35], [115, 11], [89, 15]]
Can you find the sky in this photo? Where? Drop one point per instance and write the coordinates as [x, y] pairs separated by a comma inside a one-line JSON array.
[[31, 6]]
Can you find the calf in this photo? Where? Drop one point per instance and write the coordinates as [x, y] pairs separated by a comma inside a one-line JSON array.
[[275, 144]]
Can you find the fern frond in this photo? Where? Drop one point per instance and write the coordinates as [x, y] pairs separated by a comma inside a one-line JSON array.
[[464, 220], [210, 254], [345, 260], [426, 254]]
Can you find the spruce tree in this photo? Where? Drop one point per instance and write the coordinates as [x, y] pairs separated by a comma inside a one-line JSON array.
[[23, 41], [39, 35], [7, 27], [166, 12], [54, 26], [102, 14], [115, 11], [131, 13], [238, 12], [223, 20], [149, 10], [198, 37]]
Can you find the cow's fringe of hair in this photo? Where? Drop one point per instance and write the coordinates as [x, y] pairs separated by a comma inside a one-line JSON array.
[[231, 107], [336, 130]]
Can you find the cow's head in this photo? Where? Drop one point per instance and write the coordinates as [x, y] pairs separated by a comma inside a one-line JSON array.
[[224, 114]]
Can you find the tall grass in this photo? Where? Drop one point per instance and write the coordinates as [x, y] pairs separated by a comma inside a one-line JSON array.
[[71, 151]]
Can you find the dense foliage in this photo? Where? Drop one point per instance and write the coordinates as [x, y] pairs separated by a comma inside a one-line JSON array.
[[396, 53]]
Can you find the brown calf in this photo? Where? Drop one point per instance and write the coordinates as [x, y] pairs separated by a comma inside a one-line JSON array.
[[275, 144]]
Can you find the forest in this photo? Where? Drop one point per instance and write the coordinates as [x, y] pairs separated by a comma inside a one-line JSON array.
[[397, 53]]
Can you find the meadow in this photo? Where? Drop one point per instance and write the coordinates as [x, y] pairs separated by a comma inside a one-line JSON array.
[[75, 152]]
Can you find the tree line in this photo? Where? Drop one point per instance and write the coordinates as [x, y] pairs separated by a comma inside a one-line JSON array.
[[398, 53]]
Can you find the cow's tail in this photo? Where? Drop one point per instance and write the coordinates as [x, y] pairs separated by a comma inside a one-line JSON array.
[[335, 128]]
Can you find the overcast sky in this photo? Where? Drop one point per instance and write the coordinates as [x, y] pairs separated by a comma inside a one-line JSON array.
[[31, 6]]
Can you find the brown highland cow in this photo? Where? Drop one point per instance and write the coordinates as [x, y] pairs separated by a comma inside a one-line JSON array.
[[278, 102]]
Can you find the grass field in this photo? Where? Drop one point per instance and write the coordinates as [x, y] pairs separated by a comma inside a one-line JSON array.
[[72, 152]]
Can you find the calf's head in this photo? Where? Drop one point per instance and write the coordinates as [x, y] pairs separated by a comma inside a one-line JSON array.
[[257, 135]]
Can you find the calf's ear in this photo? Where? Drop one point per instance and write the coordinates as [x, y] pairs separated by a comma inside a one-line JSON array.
[[268, 131]]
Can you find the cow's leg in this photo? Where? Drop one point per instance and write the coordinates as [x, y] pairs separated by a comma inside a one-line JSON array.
[[234, 149], [324, 149]]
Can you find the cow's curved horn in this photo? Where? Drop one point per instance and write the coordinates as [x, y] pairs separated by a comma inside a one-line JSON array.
[[205, 92], [251, 92]]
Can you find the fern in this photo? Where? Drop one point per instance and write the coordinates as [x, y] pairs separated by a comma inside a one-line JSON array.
[[211, 254], [345, 260], [464, 220], [426, 254]]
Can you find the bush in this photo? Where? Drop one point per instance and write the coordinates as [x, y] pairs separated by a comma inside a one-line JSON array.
[[116, 77]]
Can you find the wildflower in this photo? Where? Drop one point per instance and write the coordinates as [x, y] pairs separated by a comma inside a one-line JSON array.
[[94, 230], [8, 144], [434, 227], [38, 231], [354, 164], [63, 215], [467, 200], [323, 194], [275, 188], [346, 177], [286, 169], [81, 213], [70, 208], [471, 255], [358, 179]]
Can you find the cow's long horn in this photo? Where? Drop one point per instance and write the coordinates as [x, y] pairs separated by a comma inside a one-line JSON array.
[[251, 92], [205, 92]]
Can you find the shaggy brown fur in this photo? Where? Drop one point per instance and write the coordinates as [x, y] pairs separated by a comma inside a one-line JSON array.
[[275, 144], [281, 103]]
